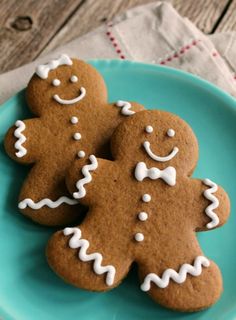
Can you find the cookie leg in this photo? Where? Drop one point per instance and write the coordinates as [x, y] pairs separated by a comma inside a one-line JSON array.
[[82, 258], [199, 287], [45, 199]]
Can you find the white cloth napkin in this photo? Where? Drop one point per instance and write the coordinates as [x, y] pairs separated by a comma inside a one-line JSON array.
[[153, 33]]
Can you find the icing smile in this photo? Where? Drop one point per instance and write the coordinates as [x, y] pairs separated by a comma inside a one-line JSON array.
[[155, 157], [71, 101]]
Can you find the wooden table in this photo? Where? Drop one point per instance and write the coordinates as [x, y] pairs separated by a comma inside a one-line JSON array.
[[31, 27]]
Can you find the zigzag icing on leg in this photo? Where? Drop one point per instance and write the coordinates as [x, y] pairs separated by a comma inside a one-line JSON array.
[[76, 242], [45, 202], [87, 177], [178, 277]]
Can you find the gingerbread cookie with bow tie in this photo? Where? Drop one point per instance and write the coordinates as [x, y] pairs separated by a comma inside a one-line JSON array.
[[72, 120], [144, 207]]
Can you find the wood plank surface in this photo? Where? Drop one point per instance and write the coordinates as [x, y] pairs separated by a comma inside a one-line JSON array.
[[228, 22], [27, 26], [32, 27], [204, 13]]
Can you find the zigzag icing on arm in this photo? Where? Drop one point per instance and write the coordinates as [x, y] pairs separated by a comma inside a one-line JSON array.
[[178, 277], [46, 202], [87, 177], [208, 194], [125, 105], [76, 242], [21, 139]]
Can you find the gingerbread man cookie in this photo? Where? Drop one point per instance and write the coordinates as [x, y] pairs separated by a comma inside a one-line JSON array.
[[73, 119], [144, 207]]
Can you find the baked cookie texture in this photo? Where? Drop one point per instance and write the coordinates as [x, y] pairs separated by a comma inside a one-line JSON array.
[[72, 120], [144, 207]]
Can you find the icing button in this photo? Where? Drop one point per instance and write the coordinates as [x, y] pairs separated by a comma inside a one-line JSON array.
[[139, 237], [74, 120], [77, 136], [146, 197], [142, 216], [81, 154]]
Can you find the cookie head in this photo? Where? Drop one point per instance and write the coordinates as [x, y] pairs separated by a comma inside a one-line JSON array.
[[65, 83], [158, 138]]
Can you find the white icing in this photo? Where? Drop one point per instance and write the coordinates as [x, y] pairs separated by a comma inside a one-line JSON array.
[[143, 216], [125, 105], [139, 237], [87, 177], [178, 277], [77, 242], [46, 202], [146, 197], [149, 129], [208, 194], [56, 82], [71, 101], [155, 157], [171, 133], [74, 120], [21, 139], [77, 136], [81, 154], [43, 70], [73, 79], [168, 174]]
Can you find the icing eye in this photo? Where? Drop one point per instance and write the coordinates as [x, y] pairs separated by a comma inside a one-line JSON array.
[[73, 78], [171, 133], [56, 82], [149, 129]]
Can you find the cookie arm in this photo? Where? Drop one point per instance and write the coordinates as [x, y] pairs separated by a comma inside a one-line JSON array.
[[211, 205], [87, 177], [136, 107], [21, 141]]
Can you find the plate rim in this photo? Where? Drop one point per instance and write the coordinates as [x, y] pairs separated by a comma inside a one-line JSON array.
[[195, 79]]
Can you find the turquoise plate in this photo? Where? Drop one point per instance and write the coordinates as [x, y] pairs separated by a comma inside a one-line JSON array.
[[30, 290]]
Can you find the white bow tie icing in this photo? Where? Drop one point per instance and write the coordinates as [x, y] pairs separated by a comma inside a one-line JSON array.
[[168, 174]]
